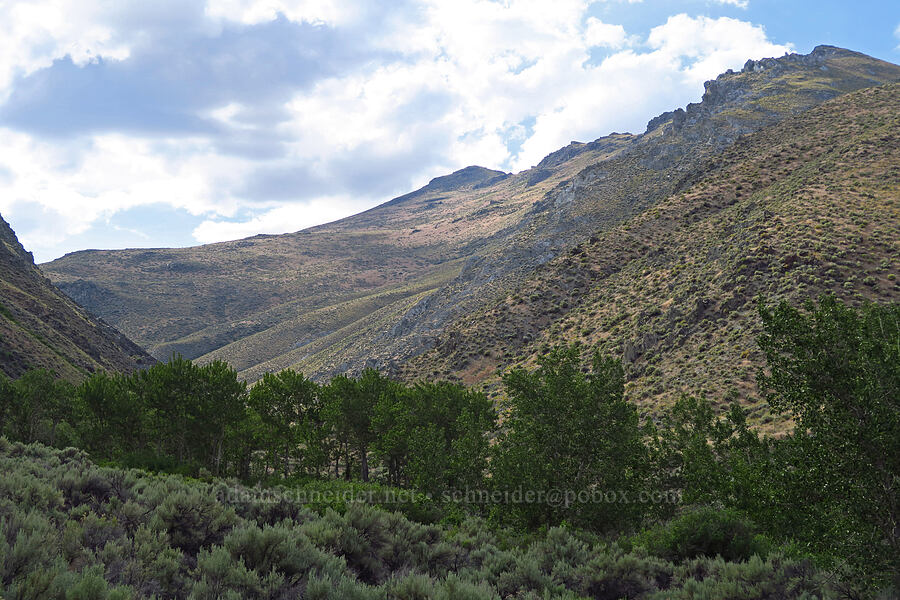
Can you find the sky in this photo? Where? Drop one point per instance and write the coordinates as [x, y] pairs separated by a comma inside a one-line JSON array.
[[180, 122]]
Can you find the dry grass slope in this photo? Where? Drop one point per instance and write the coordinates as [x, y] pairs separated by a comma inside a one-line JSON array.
[[807, 206]]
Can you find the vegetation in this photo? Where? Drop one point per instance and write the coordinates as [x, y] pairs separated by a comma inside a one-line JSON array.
[[566, 430], [70, 529], [191, 419], [837, 372], [698, 504]]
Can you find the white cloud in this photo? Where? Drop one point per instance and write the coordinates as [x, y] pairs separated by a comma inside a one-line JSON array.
[[599, 33], [469, 82], [34, 33], [738, 3], [712, 45], [252, 12], [299, 216], [76, 184]]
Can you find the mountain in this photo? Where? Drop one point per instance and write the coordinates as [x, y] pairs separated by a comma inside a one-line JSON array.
[[42, 328], [475, 270], [808, 206]]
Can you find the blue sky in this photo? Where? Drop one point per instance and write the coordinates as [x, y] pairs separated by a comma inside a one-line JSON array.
[[178, 122]]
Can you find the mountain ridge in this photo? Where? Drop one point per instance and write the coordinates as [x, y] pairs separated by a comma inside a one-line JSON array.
[[805, 207], [379, 288]]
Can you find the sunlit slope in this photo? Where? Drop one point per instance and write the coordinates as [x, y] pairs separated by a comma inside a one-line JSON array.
[[807, 206]]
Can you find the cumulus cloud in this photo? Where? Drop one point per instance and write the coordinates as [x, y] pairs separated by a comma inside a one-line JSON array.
[[273, 115], [598, 33], [34, 34], [300, 215]]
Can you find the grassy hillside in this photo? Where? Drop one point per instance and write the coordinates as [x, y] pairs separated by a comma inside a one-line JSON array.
[[391, 284], [42, 328], [807, 206]]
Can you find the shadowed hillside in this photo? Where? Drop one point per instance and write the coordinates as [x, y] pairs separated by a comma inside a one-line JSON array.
[[402, 281], [42, 328]]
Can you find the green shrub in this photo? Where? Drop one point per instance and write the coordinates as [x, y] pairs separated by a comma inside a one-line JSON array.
[[755, 579], [281, 549], [615, 574], [705, 531], [220, 576], [194, 520], [344, 588]]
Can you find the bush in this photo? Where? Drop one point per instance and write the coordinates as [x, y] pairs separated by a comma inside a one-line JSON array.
[[194, 520], [705, 531], [281, 549], [127, 534]]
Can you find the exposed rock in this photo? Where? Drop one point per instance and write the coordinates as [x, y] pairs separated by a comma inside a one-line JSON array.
[[535, 176], [562, 155]]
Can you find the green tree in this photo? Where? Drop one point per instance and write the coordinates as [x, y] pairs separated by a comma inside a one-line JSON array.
[[217, 411], [111, 420], [836, 370], [336, 402], [433, 436], [568, 433], [39, 408], [288, 405], [169, 391], [350, 410], [393, 422], [449, 442], [8, 401], [712, 459]]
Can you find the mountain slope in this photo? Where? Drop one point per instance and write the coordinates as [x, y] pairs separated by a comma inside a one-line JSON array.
[[807, 206], [41, 328], [389, 285]]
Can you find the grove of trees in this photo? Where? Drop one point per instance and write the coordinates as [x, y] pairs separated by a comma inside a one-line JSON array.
[[829, 488]]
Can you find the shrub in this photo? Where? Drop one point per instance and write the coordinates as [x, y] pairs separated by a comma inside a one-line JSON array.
[[220, 576], [705, 531], [282, 549], [194, 520]]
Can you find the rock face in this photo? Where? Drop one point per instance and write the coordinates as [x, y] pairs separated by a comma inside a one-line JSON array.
[[384, 286], [818, 58], [42, 328]]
